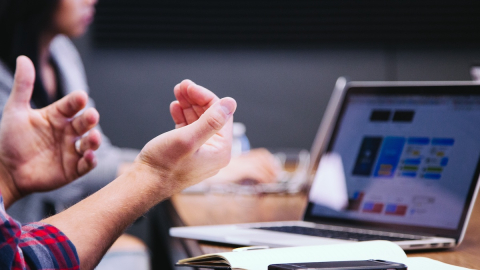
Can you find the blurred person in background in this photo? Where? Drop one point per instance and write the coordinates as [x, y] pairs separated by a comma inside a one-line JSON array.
[[41, 30]]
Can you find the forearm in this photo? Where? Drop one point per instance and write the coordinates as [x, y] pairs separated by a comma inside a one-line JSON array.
[[96, 222]]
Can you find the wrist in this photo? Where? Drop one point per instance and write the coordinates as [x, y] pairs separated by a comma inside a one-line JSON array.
[[157, 184], [8, 189]]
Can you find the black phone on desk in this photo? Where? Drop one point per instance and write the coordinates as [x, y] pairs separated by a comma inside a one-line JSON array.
[[341, 265]]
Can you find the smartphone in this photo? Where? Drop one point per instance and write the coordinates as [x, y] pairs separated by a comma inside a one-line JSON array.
[[341, 265]]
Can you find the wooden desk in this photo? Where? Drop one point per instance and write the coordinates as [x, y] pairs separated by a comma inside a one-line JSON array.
[[212, 209]]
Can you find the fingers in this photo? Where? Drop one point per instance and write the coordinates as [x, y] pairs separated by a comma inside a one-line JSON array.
[[23, 84], [211, 122], [85, 148], [193, 99], [89, 142], [267, 163], [86, 121], [86, 163], [87, 145], [188, 93], [68, 106], [264, 173], [257, 164], [177, 114]]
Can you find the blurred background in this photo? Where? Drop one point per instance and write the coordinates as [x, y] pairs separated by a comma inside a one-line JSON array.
[[278, 59]]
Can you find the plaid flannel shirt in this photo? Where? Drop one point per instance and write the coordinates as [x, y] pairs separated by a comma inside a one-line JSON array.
[[34, 246]]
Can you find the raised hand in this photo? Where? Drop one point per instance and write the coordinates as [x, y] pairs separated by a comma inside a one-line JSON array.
[[197, 149], [258, 165], [201, 143], [37, 147], [192, 101]]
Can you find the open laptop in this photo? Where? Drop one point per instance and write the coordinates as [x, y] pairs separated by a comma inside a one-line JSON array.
[[410, 159]]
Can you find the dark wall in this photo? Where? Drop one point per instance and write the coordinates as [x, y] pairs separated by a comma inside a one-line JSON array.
[[281, 93]]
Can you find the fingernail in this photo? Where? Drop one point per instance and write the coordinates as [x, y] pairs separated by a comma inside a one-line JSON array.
[[227, 106]]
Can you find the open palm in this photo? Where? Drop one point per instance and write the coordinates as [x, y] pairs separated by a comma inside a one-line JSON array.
[[37, 147]]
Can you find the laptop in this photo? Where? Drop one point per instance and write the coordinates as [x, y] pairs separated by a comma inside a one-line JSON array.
[[408, 156]]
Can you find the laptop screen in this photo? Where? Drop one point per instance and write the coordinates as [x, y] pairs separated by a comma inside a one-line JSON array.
[[409, 158]]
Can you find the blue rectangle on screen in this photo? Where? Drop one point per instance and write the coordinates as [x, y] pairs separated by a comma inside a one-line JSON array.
[[444, 161], [391, 208], [368, 206], [409, 174], [443, 141], [418, 140], [412, 161], [434, 176], [389, 157]]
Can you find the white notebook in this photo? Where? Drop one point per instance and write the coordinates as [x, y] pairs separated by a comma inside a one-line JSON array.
[[260, 259]]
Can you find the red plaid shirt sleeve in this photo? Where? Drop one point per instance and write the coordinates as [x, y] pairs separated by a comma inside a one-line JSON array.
[[34, 246]]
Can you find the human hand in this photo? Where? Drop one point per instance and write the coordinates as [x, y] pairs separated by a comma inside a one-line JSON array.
[[37, 147], [258, 165], [198, 147]]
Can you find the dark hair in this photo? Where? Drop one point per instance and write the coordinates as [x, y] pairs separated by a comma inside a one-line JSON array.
[[21, 23]]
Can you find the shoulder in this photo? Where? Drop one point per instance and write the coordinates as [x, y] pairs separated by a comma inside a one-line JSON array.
[[62, 47]]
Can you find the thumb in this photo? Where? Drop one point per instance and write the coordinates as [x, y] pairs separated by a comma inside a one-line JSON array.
[[23, 83], [212, 121]]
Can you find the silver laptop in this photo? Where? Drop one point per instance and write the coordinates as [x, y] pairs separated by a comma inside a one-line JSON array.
[[406, 170]]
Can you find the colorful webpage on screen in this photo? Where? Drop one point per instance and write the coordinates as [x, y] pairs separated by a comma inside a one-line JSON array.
[[407, 160]]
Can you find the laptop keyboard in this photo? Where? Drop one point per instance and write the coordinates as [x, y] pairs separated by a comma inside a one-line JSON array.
[[354, 236]]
